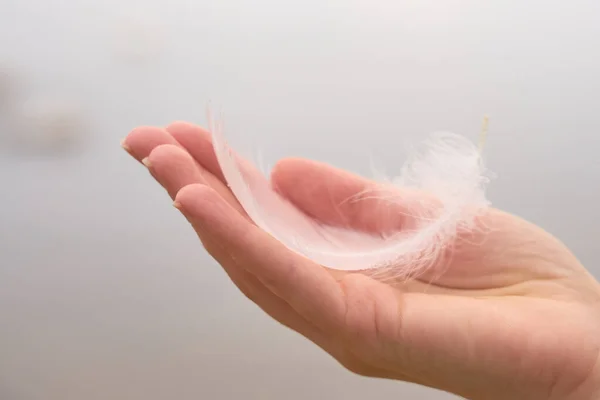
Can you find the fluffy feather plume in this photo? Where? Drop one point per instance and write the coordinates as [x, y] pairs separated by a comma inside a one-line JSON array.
[[439, 193]]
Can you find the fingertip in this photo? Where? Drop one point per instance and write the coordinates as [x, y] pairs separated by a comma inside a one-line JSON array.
[[183, 129], [142, 132], [288, 170], [198, 142], [296, 179], [174, 168], [290, 165], [126, 146], [280, 173], [142, 140], [168, 152], [176, 127], [196, 199]]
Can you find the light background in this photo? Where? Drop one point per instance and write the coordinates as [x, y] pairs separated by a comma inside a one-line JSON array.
[[105, 293]]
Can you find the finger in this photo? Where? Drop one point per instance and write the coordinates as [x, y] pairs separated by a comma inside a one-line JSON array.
[[140, 142], [339, 198], [174, 168], [324, 193], [328, 194], [305, 286], [197, 141], [272, 305]]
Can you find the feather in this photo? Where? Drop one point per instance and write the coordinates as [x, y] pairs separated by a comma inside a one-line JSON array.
[[440, 191]]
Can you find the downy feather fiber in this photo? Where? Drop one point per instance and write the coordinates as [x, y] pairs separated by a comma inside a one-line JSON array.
[[440, 192]]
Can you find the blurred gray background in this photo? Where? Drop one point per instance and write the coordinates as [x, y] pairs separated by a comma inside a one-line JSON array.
[[105, 292]]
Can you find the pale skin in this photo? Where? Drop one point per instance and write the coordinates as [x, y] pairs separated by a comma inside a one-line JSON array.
[[514, 315]]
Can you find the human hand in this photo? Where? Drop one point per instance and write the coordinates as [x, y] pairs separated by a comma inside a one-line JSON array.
[[514, 315]]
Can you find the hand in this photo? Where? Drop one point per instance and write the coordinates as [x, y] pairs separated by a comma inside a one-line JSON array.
[[513, 316]]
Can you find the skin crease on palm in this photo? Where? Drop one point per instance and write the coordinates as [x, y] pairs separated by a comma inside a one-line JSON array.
[[514, 315]]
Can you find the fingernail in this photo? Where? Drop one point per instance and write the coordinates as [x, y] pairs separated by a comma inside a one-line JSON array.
[[179, 207], [147, 162], [126, 147]]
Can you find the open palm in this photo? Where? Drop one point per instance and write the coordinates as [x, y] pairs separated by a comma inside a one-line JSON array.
[[511, 315]]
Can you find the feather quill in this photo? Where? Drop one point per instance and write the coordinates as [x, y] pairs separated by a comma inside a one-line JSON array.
[[446, 175]]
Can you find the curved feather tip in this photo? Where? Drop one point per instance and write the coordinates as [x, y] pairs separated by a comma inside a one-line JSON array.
[[439, 193]]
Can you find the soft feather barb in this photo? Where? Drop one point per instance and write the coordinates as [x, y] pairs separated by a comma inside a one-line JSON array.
[[439, 193]]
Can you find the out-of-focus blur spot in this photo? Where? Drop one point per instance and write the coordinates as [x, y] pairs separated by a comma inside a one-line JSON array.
[[47, 124], [8, 87], [36, 124]]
